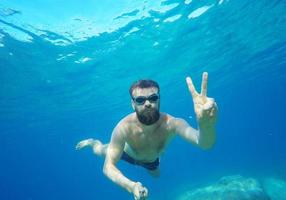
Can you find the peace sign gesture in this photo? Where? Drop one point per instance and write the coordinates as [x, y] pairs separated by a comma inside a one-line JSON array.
[[205, 107]]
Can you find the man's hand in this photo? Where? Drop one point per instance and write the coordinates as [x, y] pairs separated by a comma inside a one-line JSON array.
[[205, 108], [140, 192]]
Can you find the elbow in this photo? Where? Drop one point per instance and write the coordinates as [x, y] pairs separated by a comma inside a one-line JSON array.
[[207, 146], [109, 169], [207, 143], [106, 170]]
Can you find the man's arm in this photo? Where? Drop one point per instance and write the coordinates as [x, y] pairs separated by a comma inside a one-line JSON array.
[[203, 138], [206, 113], [113, 155]]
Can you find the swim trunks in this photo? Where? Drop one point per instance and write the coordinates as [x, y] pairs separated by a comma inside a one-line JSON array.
[[147, 165]]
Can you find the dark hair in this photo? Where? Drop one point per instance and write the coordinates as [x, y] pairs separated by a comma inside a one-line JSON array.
[[143, 84]]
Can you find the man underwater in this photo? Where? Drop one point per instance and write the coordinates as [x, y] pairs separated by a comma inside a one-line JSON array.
[[141, 137]]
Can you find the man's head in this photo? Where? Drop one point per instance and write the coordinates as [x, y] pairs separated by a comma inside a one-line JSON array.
[[146, 101]]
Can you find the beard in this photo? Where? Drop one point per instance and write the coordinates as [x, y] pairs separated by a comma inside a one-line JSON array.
[[148, 116]]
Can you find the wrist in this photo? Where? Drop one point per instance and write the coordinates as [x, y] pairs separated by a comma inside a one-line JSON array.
[[132, 187]]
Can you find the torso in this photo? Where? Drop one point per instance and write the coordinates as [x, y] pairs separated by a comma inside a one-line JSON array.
[[145, 143]]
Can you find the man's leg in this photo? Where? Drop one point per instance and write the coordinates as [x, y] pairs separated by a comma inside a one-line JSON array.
[[97, 147]]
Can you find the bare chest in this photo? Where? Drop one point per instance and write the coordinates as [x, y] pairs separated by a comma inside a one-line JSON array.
[[148, 144]]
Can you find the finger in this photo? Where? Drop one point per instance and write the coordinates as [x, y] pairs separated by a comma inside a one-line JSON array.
[[213, 112], [211, 99], [142, 195], [191, 87], [204, 84], [77, 147], [215, 105], [208, 106], [146, 193]]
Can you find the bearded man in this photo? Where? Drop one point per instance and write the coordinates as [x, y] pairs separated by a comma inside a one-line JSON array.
[[142, 136]]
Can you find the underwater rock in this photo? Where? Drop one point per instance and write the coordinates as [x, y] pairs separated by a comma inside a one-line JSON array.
[[229, 188], [275, 188]]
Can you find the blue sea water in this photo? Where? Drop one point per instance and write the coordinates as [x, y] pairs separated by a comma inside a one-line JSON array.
[[65, 71]]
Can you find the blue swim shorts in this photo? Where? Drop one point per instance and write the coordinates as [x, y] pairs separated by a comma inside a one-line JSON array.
[[147, 165]]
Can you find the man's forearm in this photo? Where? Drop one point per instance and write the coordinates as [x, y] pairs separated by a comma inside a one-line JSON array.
[[117, 177], [207, 135]]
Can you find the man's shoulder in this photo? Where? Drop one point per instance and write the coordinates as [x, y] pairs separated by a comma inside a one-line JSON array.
[[171, 121], [127, 121], [167, 118], [130, 118]]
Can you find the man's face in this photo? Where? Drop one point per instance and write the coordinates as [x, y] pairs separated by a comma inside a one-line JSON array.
[[147, 111]]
